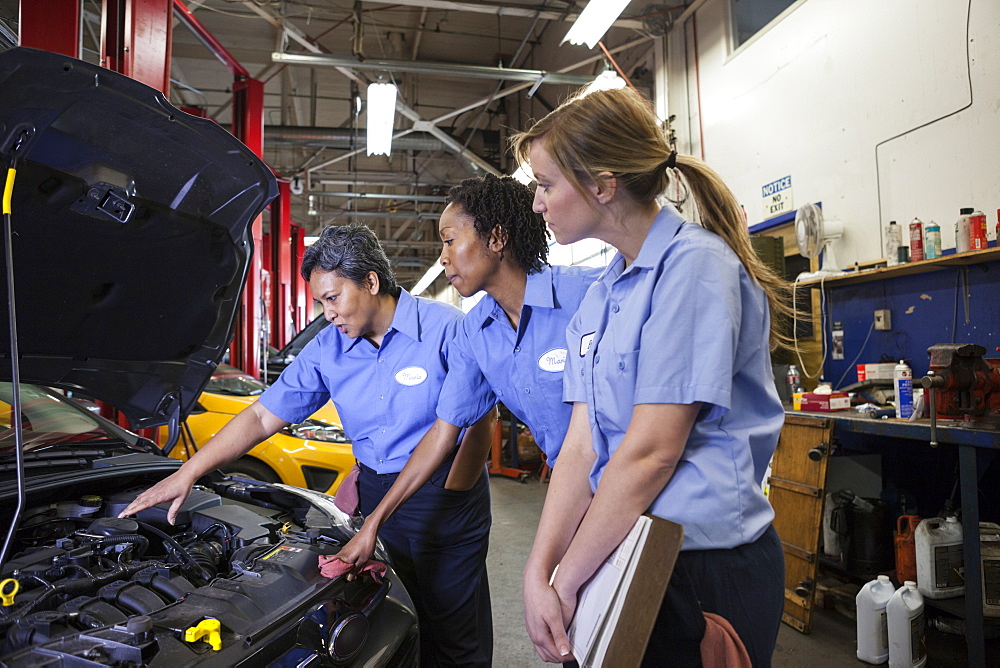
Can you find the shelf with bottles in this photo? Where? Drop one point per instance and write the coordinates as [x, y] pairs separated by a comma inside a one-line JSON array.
[[952, 259]]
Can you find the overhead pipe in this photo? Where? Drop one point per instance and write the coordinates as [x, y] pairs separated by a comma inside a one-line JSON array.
[[339, 138], [409, 198], [440, 69], [400, 215]]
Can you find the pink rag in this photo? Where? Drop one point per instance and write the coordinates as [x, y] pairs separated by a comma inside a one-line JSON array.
[[721, 647], [346, 497], [332, 567]]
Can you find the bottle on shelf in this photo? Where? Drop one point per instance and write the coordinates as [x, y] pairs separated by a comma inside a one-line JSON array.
[[902, 382], [977, 231], [793, 381], [962, 230], [940, 558], [893, 239], [916, 240], [932, 240]]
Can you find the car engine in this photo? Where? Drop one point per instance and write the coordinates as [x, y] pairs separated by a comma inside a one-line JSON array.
[[235, 581]]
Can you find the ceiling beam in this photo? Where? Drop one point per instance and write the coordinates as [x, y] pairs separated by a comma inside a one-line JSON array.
[[499, 9], [439, 69]]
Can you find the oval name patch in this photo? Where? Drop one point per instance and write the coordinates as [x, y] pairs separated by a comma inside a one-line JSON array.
[[411, 375], [553, 360]]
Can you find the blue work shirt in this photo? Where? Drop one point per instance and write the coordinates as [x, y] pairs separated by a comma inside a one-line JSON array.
[[524, 368], [684, 323], [386, 396]]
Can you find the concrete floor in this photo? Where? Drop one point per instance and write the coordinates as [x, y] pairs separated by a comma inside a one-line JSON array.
[[516, 509]]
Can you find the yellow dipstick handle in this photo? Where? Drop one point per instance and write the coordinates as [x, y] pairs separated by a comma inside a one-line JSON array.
[[207, 630], [8, 590], [8, 189]]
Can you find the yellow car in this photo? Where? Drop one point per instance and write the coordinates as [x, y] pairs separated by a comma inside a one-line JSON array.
[[314, 454]]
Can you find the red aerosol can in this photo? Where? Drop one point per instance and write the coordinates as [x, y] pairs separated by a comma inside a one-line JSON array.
[[977, 231], [916, 240]]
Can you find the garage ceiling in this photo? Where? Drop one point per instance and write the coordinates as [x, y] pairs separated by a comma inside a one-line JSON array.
[[457, 105]]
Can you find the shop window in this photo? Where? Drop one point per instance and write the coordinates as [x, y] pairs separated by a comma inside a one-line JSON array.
[[751, 16]]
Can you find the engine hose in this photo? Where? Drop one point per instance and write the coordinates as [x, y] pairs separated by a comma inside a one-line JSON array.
[[141, 542], [80, 586], [207, 554], [226, 532], [184, 554]]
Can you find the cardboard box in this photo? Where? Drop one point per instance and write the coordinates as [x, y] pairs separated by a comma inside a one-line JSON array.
[[810, 401], [880, 371]]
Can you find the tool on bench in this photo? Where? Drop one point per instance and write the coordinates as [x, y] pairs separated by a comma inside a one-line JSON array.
[[962, 386]]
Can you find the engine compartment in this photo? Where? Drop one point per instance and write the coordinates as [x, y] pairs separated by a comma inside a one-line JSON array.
[[235, 580]]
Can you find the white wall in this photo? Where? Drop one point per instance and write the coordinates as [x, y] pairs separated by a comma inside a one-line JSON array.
[[818, 91]]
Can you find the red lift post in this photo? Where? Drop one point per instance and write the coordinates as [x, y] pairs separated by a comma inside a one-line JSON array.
[[281, 266], [51, 25]]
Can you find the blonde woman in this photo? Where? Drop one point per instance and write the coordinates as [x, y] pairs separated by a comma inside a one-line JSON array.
[[675, 412]]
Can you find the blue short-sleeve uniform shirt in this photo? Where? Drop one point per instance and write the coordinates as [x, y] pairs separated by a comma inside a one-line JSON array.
[[684, 323], [386, 396], [524, 368]]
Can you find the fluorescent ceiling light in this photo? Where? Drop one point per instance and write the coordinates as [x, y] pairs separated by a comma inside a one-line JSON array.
[[594, 21], [606, 80], [381, 112], [428, 278], [309, 241], [522, 175]]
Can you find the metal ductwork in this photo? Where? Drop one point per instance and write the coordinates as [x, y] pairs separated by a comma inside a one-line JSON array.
[[275, 135], [439, 69]]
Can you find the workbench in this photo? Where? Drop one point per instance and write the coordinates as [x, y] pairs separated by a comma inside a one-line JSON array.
[[972, 445]]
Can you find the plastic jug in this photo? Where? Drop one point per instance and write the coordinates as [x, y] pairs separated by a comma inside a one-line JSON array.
[[940, 565], [905, 617], [906, 547], [989, 551], [873, 628]]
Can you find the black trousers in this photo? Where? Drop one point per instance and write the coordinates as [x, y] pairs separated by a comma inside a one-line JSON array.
[[745, 585], [438, 541]]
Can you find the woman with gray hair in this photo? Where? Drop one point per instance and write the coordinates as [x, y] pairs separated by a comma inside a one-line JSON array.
[[383, 363]]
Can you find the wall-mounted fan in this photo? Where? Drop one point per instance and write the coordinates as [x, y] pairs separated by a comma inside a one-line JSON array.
[[813, 236]]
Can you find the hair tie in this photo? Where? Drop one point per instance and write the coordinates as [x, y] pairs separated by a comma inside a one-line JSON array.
[[672, 160]]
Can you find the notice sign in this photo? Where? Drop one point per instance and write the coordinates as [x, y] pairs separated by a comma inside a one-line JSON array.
[[777, 197]]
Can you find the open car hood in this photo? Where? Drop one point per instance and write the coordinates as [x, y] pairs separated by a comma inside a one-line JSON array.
[[131, 235]]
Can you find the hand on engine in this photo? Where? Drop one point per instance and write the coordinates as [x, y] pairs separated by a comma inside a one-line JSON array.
[[173, 489]]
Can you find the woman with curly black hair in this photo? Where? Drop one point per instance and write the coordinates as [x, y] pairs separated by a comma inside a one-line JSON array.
[[515, 336]]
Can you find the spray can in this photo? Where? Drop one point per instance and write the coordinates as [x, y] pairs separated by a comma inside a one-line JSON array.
[[977, 231], [873, 628], [905, 617], [893, 238], [916, 240], [932, 240], [902, 381], [962, 230]]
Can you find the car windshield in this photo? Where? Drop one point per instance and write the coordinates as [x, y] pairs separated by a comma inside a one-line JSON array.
[[235, 384], [47, 418]]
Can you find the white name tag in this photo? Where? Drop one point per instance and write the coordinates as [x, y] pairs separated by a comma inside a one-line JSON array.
[[586, 341], [411, 375], [553, 361]]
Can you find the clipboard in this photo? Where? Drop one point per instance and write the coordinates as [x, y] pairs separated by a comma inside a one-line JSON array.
[[618, 606]]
